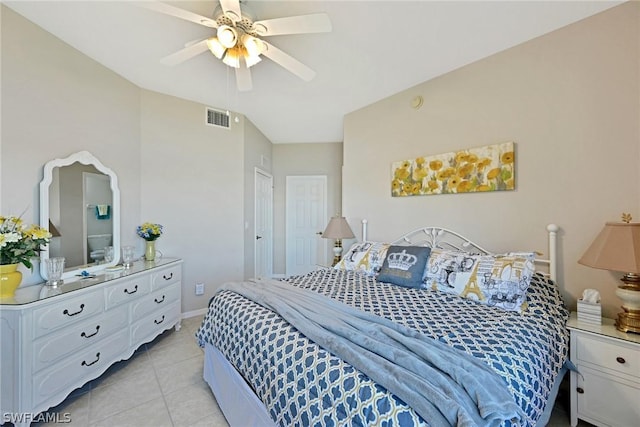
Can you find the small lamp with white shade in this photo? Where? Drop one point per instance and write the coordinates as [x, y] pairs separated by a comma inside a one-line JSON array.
[[338, 228]]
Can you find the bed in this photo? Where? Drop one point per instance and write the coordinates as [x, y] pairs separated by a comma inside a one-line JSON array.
[[366, 350]]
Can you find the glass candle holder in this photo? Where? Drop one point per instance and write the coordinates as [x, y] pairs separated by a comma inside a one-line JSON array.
[[55, 268], [128, 253]]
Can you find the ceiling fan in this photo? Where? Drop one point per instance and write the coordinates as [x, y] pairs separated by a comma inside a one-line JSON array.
[[239, 42]]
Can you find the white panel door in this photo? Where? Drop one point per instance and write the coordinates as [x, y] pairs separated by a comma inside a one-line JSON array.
[[306, 219], [263, 264]]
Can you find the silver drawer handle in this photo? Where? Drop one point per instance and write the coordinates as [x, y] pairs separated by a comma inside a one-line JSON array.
[[73, 314], [169, 277], [84, 363], [126, 291], [84, 335], [620, 360], [157, 322], [159, 302]]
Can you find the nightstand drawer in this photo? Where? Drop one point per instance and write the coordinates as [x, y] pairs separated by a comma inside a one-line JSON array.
[[607, 354]]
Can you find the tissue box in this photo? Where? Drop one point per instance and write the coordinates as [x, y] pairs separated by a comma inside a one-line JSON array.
[[589, 312]]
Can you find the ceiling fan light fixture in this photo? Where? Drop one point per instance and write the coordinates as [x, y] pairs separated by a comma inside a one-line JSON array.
[[228, 36], [216, 47], [252, 45], [232, 58], [252, 60]]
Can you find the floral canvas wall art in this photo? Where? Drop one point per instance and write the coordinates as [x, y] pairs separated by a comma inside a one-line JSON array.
[[488, 168]]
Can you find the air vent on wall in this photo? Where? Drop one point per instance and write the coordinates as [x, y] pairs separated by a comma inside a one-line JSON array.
[[218, 118]]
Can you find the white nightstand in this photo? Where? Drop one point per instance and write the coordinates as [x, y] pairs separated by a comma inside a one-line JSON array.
[[606, 390]]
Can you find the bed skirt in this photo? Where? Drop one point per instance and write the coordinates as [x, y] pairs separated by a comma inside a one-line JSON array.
[[239, 404]]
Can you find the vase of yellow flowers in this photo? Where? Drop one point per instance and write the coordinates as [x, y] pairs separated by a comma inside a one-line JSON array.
[[18, 245], [150, 233]]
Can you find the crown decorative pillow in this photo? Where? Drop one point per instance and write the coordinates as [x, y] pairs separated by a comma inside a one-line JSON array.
[[366, 257], [495, 280], [404, 266]]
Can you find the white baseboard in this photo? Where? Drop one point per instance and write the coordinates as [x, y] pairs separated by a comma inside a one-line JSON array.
[[194, 313]]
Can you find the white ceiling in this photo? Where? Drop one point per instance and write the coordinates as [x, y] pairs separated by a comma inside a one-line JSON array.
[[376, 49]]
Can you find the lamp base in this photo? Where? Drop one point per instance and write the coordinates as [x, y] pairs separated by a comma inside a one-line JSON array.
[[629, 293], [337, 252], [628, 321]]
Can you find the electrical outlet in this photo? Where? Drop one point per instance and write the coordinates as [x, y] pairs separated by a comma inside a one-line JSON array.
[[199, 288]]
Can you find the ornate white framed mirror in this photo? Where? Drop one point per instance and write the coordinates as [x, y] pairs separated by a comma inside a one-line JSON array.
[[80, 206]]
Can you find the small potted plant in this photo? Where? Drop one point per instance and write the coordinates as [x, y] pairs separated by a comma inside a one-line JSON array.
[[18, 245], [150, 233]]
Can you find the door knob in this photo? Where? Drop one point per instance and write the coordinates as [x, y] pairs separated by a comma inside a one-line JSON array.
[[258, 237], [319, 233]]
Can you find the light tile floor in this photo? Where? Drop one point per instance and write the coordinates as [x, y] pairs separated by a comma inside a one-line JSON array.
[[161, 385]]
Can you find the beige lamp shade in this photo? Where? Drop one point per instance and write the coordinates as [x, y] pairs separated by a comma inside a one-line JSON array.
[[338, 228], [616, 248]]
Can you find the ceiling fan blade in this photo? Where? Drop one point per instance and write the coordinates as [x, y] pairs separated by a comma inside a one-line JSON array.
[[288, 62], [243, 77], [314, 23], [178, 13], [231, 9], [186, 53]]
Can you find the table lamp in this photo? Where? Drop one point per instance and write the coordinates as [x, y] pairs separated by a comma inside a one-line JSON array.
[[338, 228], [617, 248]]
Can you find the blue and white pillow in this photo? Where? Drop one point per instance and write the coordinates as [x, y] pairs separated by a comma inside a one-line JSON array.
[[404, 266]]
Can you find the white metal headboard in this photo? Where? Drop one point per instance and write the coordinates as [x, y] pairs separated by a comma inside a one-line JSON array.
[[438, 237]]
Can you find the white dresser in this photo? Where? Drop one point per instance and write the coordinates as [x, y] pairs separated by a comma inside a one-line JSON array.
[[606, 389], [54, 340]]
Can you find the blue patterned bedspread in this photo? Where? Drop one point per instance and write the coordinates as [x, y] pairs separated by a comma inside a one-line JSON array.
[[302, 384]]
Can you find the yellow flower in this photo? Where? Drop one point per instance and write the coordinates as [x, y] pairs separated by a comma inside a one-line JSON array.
[[483, 187], [493, 173], [465, 169], [420, 161], [435, 165], [401, 173], [472, 158], [464, 187], [433, 185], [420, 173], [483, 164], [453, 182], [507, 157], [447, 173], [395, 185], [461, 156], [415, 188]]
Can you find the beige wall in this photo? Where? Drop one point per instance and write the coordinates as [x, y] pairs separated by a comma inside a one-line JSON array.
[[192, 184], [172, 168], [257, 154], [569, 100], [303, 159], [56, 101]]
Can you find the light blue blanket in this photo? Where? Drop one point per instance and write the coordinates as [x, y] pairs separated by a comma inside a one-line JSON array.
[[443, 385]]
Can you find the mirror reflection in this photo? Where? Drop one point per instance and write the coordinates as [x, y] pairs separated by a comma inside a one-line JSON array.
[[79, 204]]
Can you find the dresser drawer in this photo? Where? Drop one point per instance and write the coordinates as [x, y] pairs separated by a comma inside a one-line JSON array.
[[47, 349], [154, 301], [146, 329], [609, 355], [79, 367], [166, 277], [127, 291], [66, 312]]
